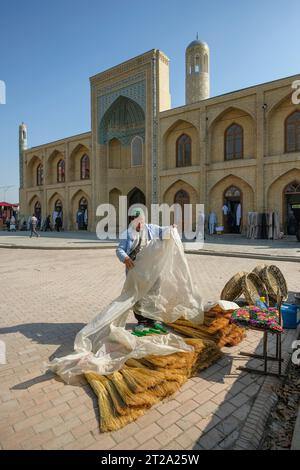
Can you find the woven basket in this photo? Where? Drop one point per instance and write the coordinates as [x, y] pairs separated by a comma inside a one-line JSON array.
[[233, 288], [254, 288], [259, 269], [274, 280]]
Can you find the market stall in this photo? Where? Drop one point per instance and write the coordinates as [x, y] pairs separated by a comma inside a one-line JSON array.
[[7, 210]]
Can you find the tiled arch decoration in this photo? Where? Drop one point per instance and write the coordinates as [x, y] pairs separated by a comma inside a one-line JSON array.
[[133, 88]]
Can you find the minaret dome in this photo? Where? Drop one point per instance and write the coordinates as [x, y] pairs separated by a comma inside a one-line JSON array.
[[197, 81]]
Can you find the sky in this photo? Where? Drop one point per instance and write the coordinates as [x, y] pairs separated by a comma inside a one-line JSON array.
[[49, 49]]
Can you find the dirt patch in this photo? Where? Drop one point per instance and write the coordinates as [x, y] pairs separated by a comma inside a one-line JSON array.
[[281, 422]]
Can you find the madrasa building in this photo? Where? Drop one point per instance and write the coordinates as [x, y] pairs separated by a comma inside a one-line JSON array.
[[241, 148]]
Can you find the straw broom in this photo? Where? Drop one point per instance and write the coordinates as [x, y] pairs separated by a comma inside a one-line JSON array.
[[221, 337], [127, 394], [216, 327], [169, 380], [113, 411], [117, 410]]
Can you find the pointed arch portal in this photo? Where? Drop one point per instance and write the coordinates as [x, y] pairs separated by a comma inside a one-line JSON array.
[[123, 120], [82, 214], [291, 198], [232, 199], [136, 196]]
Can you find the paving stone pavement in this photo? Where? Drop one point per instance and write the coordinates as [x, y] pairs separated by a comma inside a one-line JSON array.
[[48, 296], [228, 244]]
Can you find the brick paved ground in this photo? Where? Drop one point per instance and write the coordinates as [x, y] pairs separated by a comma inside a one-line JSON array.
[[233, 243], [47, 296]]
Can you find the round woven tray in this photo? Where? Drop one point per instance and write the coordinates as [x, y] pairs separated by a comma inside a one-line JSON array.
[[259, 269], [274, 280], [254, 288], [233, 288]]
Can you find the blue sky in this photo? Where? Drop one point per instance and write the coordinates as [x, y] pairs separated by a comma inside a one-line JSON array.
[[49, 49]]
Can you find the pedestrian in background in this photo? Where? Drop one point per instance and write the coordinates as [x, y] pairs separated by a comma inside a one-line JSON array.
[[58, 223], [47, 224], [12, 226], [33, 225], [212, 221]]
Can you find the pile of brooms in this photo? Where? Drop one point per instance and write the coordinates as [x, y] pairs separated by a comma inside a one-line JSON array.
[[216, 327], [128, 393]]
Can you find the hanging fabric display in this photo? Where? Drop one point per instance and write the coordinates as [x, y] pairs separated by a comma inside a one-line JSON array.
[[263, 225]]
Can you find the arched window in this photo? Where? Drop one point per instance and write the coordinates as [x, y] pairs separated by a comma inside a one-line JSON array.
[[232, 192], [197, 64], [184, 151], [182, 197], [61, 171], [84, 167], [234, 142], [189, 65], [292, 132], [205, 63], [58, 206], [37, 209], [136, 196], [83, 203], [82, 214], [40, 175], [292, 188], [137, 151]]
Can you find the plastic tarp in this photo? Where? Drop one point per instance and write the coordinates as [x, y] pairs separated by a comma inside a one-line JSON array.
[[162, 283]]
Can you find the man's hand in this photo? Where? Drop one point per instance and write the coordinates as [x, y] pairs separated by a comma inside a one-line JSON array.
[[129, 263]]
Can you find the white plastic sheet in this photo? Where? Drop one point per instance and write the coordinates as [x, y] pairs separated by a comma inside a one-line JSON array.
[[161, 281]]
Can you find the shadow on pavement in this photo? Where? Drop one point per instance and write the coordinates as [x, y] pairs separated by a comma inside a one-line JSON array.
[[62, 334]]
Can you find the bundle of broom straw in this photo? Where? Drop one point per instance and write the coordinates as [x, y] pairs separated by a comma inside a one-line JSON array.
[[216, 327], [127, 394]]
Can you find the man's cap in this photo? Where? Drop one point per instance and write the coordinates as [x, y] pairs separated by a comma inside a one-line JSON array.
[[137, 213]]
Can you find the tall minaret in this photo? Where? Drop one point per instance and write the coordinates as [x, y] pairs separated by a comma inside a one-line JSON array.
[[197, 83], [22, 147]]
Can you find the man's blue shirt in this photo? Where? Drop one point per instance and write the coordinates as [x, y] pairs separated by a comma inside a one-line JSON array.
[[129, 236]]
